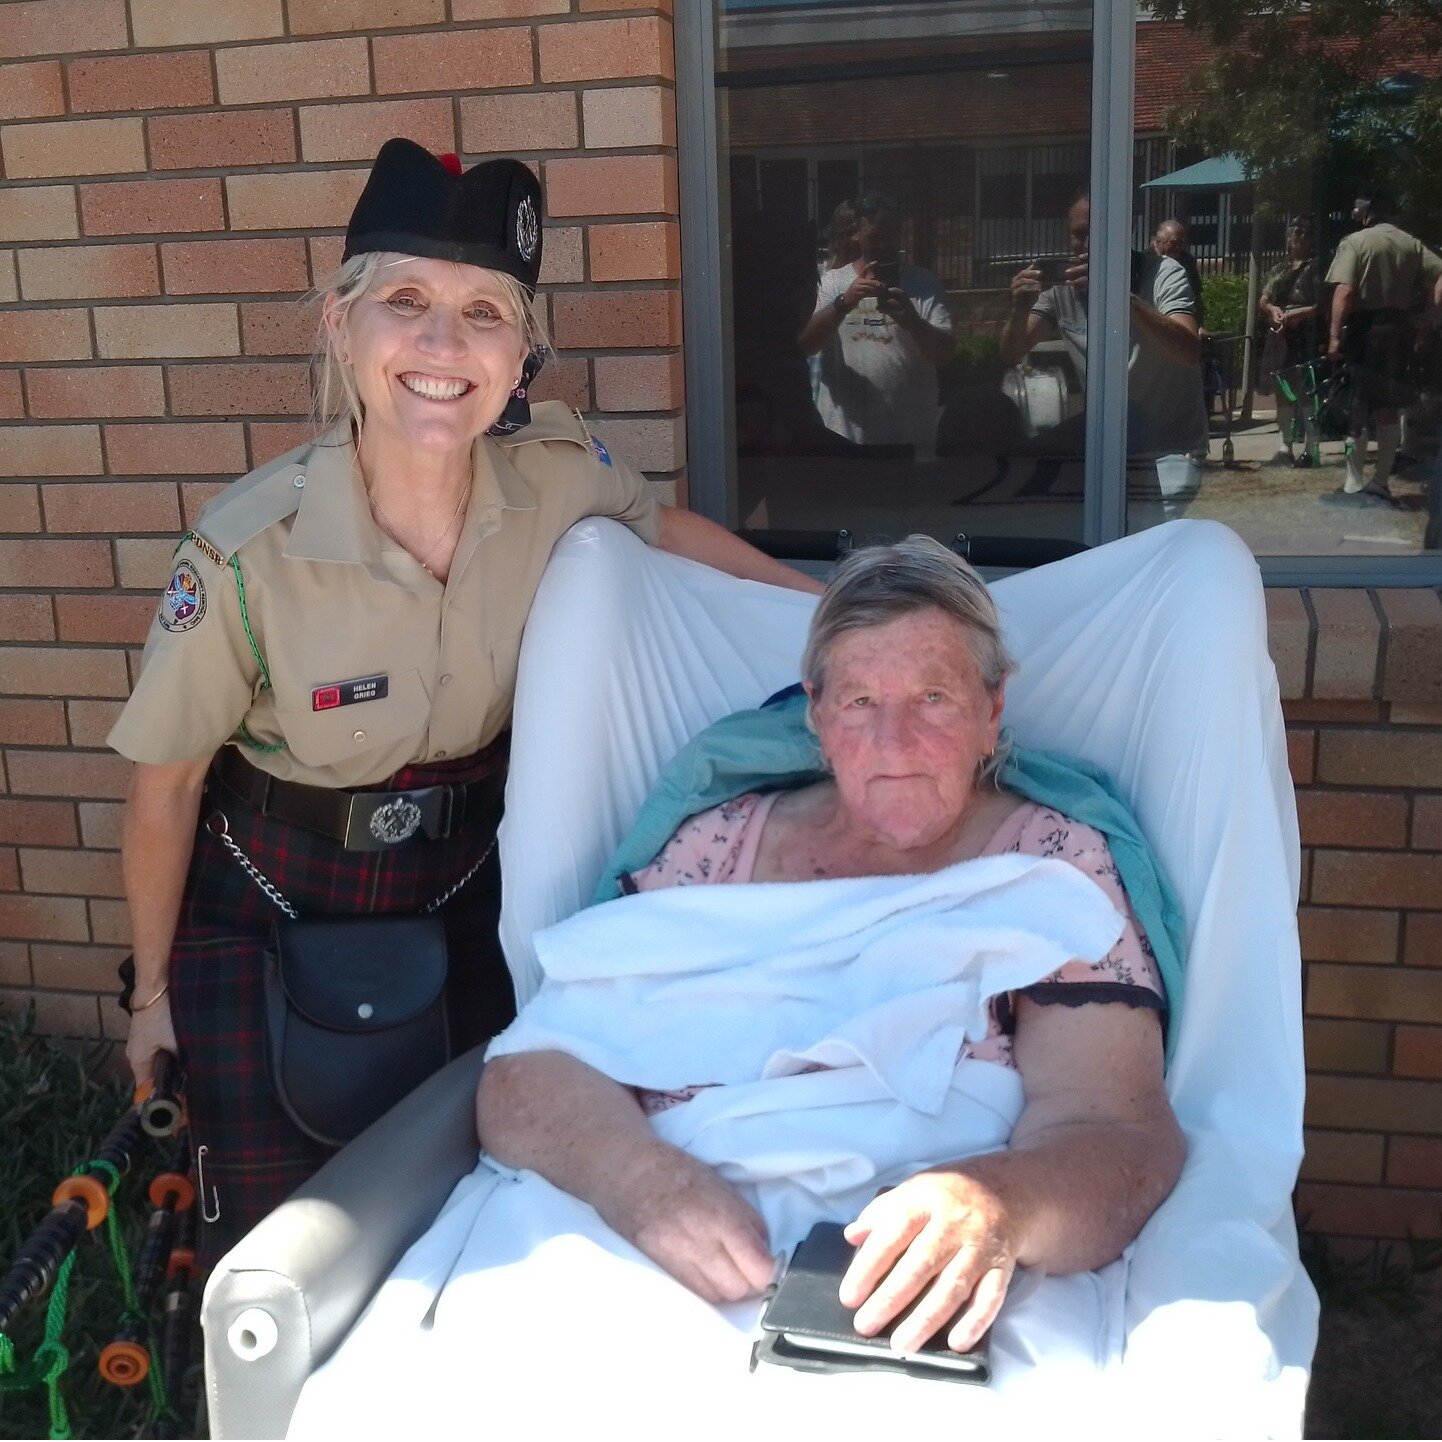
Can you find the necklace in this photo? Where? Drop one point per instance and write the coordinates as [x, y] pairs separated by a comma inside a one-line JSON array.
[[390, 528]]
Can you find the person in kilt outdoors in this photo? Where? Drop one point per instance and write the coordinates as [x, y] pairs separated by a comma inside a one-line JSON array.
[[1382, 279], [1291, 305], [320, 724]]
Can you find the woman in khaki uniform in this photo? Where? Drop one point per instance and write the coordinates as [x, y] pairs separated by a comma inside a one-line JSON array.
[[319, 728]]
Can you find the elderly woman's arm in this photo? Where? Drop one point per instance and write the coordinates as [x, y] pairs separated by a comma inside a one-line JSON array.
[[586, 1134], [1094, 1153]]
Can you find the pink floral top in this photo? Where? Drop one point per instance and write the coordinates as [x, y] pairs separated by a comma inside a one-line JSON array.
[[719, 846]]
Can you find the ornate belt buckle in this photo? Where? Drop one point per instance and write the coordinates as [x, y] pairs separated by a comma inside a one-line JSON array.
[[379, 820]]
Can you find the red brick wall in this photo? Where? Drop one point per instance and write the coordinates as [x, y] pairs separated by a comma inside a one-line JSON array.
[[1363, 674], [174, 176]]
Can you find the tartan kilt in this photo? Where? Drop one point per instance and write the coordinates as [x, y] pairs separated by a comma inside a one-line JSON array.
[[1379, 346], [255, 1156]]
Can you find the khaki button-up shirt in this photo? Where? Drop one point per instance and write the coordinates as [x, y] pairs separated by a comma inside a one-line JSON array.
[[1390, 269], [363, 662]]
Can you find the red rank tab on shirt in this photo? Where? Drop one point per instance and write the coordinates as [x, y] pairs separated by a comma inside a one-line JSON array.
[[323, 698]]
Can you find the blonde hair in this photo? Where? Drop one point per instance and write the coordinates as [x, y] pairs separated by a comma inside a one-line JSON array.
[[878, 584], [334, 396]]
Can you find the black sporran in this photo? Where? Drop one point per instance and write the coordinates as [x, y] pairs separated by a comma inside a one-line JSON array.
[[355, 1018]]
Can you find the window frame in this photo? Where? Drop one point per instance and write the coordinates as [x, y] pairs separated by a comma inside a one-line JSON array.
[[706, 301]]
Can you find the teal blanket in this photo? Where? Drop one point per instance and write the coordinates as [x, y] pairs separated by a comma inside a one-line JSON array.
[[772, 749]]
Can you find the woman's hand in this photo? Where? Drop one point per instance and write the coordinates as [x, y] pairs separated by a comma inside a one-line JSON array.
[[151, 1031], [940, 1240], [692, 1224]]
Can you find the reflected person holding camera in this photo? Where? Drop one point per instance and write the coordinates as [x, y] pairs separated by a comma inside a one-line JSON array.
[[881, 328], [1166, 415]]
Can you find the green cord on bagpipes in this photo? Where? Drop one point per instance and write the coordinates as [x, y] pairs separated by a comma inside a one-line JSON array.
[[51, 1356]]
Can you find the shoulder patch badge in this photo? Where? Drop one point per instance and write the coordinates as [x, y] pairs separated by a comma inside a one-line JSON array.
[[602, 454], [183, 604]]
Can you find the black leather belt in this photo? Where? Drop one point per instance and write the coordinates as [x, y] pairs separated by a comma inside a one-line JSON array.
[[364, 820]]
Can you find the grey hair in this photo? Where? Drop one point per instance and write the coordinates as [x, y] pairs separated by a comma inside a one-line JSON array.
[[879, 584], [335, 397]]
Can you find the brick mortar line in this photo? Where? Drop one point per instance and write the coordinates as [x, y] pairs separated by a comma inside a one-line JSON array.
[[1429, 1190], [288, 36], [292, 37], [359, 97]]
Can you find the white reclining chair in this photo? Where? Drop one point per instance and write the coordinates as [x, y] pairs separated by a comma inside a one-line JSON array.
[[1147, 657]]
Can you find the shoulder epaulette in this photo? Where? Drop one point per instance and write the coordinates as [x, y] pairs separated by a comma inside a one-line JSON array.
[[550, 421], [246, 507]]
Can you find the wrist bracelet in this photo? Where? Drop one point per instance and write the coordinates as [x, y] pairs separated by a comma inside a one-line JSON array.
[[144, 1006], [839, 305]]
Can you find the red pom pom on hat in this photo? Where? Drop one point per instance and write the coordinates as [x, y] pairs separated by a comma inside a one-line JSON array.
[[451, 161]]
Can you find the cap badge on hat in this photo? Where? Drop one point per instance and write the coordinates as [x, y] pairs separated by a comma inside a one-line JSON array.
[[416, 203], [528, 232]]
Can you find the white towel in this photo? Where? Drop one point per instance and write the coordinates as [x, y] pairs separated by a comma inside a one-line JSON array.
[[734, 984]]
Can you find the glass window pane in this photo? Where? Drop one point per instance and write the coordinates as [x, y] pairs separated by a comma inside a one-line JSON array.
[[1287, 375], [889, 170]]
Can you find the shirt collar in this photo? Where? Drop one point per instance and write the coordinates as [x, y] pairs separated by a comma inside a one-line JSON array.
[[334, 520]]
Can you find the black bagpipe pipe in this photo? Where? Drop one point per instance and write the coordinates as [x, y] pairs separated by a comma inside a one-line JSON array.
[[125, 1359], [177, 1330], [82, 1202], [161, 1111], [79, 1204], [33, 1271]]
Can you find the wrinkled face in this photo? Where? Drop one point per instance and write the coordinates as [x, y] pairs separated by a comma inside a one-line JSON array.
[[905, 720], [435, 348]]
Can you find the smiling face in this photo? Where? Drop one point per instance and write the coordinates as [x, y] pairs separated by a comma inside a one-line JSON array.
[[905, 719], [435, 348]]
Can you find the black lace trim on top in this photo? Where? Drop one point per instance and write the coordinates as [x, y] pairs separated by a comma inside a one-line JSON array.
[[1077, 993]]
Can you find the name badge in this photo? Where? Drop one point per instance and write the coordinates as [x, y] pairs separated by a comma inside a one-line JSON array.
[[349, 693]]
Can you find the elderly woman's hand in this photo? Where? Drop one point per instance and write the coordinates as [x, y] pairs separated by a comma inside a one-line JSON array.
[[1094, 1151], [552, 1114], [940, 1239], [691, 1223]]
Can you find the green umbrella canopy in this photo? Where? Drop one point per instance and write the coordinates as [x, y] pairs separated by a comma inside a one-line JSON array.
[[1219, 172]]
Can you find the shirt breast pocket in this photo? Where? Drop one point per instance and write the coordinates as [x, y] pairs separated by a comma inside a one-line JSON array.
[[505, 660], [397, 721]]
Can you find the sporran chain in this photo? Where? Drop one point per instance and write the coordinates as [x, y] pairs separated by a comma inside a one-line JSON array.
[[274, 895]]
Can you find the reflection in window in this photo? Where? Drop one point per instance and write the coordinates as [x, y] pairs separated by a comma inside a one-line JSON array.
[[891, 169], [1302, 179]]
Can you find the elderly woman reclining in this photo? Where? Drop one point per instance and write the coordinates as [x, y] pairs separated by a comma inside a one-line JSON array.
[[931, 1014]]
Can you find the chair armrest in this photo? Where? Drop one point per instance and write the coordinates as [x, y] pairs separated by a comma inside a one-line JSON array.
[[281, 1300], [1221, 1317]]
